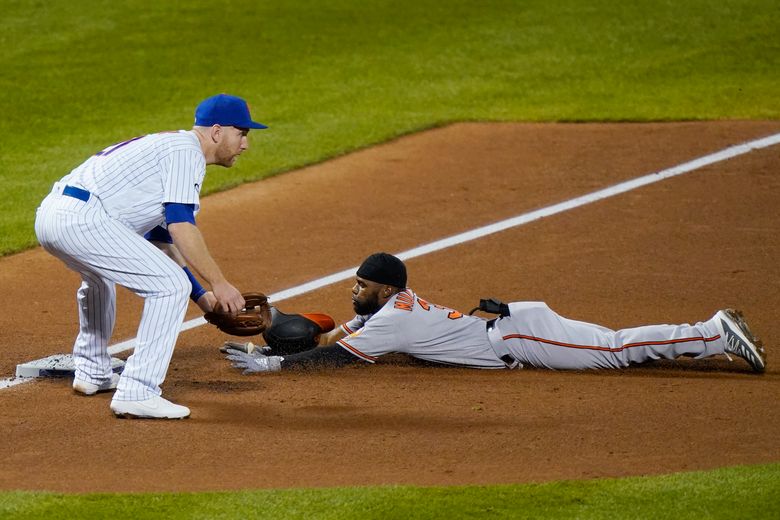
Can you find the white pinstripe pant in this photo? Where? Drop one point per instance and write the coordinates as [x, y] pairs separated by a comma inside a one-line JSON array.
[[105, 252]]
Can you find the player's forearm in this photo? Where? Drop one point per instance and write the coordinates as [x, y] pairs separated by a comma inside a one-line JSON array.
[[332, 337], [171, 250], [205, 301], [330, 356], [189, 243]]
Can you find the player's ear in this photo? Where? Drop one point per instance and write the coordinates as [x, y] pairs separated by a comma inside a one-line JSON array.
[[215, 132]]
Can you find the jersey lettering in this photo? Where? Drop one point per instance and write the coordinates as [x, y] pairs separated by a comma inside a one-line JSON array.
[[117, 146], [404, 301], [451, 314]]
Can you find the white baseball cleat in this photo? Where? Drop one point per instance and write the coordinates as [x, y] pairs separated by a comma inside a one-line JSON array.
[[153, 408], [86, 388], [739, 340]]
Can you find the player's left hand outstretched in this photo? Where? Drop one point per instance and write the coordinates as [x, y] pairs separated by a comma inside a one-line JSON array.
[[255, 362]]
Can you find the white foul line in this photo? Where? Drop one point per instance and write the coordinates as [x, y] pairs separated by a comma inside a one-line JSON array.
[[444, 243]]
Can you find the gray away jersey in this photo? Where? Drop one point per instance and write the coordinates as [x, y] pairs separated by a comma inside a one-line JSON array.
[[411, 325]]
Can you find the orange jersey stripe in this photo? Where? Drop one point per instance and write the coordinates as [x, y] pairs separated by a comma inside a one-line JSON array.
[[356, 351], [618, 349]]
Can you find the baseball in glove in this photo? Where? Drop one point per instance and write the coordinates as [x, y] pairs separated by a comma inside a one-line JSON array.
[[252, 320]]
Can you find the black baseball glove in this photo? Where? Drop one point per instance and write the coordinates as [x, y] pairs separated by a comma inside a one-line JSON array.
[[288, 334]]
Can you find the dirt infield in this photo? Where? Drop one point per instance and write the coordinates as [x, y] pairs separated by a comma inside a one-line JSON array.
[[675, 251]]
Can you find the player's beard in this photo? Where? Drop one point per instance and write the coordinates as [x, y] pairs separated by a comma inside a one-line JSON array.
[[369, 306], [225, 157]]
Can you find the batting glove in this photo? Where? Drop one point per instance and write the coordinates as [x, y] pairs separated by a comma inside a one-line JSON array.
[[248, 347], [255, 362]]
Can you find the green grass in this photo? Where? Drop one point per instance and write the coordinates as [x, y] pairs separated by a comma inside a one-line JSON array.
[[331, 77], [738, 492]]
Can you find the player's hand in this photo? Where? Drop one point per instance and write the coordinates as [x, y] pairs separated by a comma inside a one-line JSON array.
[[254, 363], [229, 299], [246, 347]]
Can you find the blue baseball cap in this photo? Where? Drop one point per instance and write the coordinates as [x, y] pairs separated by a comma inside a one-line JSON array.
[[225, 110]]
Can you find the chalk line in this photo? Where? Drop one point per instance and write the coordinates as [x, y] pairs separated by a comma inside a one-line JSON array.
[[480, 232]]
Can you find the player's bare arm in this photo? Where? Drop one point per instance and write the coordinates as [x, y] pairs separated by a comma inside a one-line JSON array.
[[332, 336], [190, 243], [207, 301]]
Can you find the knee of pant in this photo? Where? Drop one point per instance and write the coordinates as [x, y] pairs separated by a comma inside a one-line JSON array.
[[178, 285], [93, 283], [183, 285]]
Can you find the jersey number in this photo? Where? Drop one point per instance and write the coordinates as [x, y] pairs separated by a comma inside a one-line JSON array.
[[451, 314]]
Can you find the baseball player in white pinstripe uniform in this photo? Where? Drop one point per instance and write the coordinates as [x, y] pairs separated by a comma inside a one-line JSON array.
[[127, 216], [392, 318]]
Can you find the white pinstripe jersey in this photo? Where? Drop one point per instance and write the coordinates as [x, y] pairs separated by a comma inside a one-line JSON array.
[[409, 324], [134, 178]]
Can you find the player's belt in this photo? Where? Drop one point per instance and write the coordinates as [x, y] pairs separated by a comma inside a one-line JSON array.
[[76, 193], [499, 347]]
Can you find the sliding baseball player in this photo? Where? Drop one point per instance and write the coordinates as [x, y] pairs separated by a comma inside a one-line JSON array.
[[392, 318]]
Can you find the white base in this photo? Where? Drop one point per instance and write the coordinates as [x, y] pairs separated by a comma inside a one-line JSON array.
[[57, 365]]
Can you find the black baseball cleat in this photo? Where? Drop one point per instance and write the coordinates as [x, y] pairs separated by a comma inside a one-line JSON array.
[[739, 340]]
